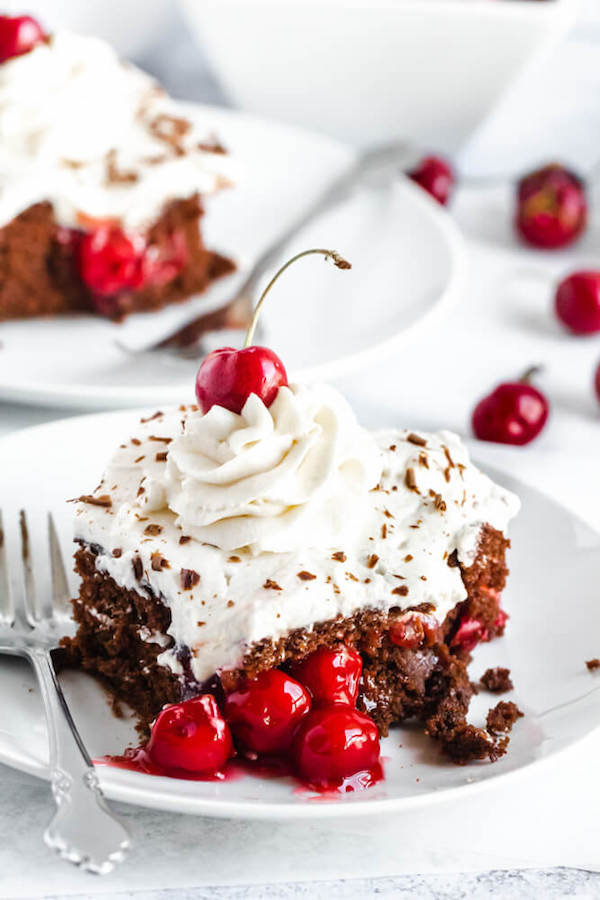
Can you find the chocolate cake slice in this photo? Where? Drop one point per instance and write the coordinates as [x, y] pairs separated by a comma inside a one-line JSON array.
[[103, 182], [221, 546]]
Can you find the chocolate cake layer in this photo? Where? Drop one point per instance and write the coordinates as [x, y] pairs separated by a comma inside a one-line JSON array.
[[39, 273], [122, 633]]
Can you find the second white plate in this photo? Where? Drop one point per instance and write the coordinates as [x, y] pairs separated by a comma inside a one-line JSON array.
[[407, 256]]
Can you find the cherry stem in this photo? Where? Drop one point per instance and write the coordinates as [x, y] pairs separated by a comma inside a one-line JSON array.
[[338, 261], [530, 373]]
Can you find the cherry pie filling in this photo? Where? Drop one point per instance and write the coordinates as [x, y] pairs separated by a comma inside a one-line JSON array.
[[300, 719]]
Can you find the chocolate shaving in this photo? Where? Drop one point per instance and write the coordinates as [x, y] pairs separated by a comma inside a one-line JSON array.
[[413, 438], [339, 556], [306, 576], [117, 552], [171, 130], [158, 562], [136, 441], [593, 664], [234, 559], [438, 501], [102, 500], [401, 590], [271, 585], [151, 418], [153, 529], [139, 459], [138, 569], [114, 175], [189, 578], [161, 457], [372, 561], [212, 145], [410, 481], [164, 440], [184, 539], [448, 457]]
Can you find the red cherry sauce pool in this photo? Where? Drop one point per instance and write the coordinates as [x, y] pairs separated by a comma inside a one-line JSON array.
[[137, 759]]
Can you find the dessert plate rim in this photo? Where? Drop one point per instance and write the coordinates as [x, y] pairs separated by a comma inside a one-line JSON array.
[[67, 393], [169, 794]]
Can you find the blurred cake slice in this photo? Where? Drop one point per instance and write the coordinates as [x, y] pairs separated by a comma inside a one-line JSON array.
[[103, 182]]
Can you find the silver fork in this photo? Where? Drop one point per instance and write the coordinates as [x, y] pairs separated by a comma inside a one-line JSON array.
[[83, 830]]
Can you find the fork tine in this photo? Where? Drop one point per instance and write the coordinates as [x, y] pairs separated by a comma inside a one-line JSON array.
[[5, 604], [60, 585], [23, 583]]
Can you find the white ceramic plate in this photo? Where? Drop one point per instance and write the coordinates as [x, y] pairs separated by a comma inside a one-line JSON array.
[[408, 262], [554, 628]]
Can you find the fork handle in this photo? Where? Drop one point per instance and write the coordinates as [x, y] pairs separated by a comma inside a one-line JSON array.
[[83, 830]]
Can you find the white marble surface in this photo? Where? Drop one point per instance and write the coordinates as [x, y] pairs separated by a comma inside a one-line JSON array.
[[538, 836]]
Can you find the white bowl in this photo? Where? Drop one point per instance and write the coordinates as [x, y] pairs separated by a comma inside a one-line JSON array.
[[370, 70]]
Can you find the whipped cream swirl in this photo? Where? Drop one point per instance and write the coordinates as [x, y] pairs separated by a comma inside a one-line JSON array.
[[294, 475]]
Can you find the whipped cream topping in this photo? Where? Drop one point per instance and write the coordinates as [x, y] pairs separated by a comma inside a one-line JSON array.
[[430, 501], [294, 475], [96, 137]]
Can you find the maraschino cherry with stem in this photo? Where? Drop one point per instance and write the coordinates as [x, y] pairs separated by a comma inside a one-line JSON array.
[[228, 376], [514, 413]]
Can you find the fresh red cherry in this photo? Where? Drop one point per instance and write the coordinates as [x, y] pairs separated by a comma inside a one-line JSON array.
[[414, 629], [551, 207], [191, 736], [577, 302], [435, 175], [111, 261], [227, 377], [334, 743], [331, 675], [264, 713], [19, 35], [514, 413], [470, 632]]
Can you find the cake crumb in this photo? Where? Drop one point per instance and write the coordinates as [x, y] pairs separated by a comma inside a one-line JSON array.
[[497, 680], [502, 717]]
